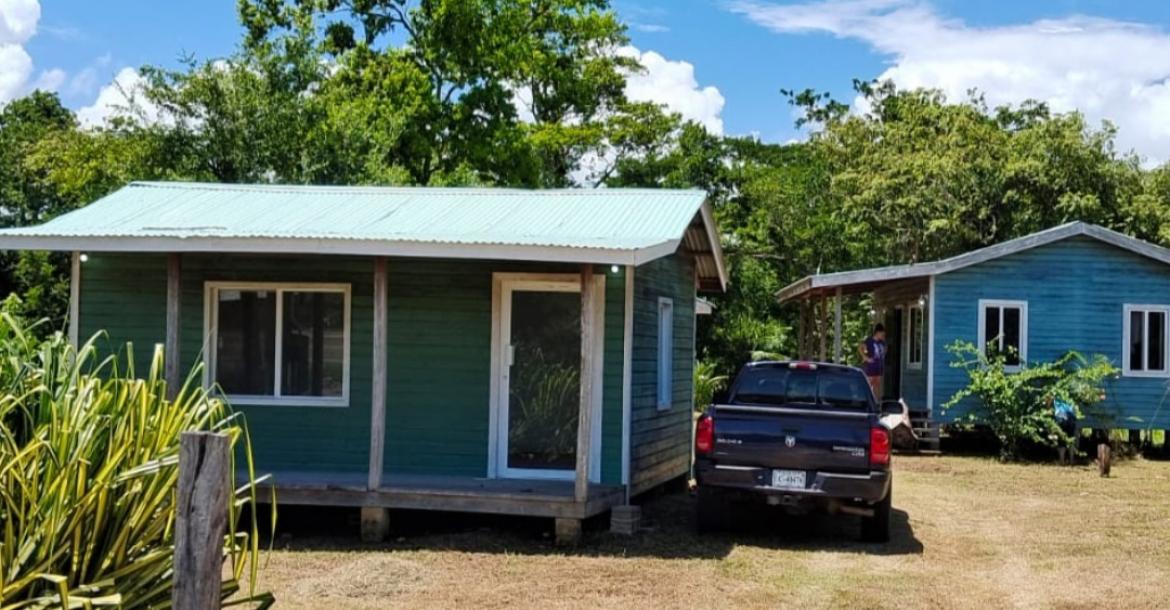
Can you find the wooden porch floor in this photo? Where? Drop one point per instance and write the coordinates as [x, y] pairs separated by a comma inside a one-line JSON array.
[[522, 497]]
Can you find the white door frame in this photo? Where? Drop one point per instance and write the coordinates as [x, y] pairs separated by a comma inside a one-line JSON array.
[[503, 285]]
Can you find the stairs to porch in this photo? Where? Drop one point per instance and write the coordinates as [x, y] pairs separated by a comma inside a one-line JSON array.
[[925, 430]]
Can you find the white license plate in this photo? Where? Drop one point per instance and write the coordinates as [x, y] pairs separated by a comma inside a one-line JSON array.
[[788, 479]]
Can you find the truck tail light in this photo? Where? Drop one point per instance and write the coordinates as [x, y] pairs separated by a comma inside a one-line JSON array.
[[879, 446], [704, 435]]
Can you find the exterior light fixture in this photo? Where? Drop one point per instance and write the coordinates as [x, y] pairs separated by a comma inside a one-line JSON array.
[[613, 269], [84, 257]]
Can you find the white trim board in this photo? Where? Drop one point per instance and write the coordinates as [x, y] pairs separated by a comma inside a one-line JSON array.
[[627, 376], [356, 247], [899, 272], [1004, 304], [211, 323], [1126, 310], [930, 350], [503, 284]]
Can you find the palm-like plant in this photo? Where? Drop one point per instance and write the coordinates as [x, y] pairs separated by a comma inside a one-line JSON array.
[[88, 470]]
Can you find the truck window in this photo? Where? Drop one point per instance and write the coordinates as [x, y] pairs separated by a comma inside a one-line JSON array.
[[778, 385]]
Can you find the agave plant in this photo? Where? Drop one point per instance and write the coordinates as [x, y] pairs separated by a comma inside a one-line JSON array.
[[88, 471]]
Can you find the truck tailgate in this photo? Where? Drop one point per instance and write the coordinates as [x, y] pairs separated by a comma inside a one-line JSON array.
[[791, 438]]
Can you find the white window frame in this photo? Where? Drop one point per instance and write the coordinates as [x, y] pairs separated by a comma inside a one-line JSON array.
[[1128, 309], [664, 396], [908, 336], [210, 332], [982, 329]]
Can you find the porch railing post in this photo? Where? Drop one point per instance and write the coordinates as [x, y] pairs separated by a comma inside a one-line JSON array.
[[585, 416], [375, 522], [174, 301], [837, 327]]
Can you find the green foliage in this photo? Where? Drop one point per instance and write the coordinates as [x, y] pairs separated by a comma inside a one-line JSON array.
[[544, 400], [1018, 405], [707, 383], [90, 465]]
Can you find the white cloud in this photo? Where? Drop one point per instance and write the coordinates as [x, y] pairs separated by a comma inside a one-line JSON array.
[[18, 20], [18, 23], [121, 98], [673, 84], [1107, 69], [650, 28]]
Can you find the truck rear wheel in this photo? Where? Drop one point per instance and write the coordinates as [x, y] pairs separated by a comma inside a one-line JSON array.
[[710, 511], [877, 527]]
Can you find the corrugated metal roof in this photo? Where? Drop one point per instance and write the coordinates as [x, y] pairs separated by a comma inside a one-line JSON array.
[[864, 280], [600, 225]]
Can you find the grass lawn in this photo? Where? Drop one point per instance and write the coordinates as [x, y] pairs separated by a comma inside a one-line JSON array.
[[968, 533]]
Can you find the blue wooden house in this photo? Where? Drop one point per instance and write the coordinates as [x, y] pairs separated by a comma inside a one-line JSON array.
[[1073, 287], [487, 350]]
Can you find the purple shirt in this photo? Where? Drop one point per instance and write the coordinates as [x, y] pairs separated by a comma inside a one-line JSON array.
[[876, 351]]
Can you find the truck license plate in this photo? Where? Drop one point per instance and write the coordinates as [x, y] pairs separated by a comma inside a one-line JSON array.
[[788, 479]]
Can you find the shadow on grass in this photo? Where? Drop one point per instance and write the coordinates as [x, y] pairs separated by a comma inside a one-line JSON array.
[[668, 533]]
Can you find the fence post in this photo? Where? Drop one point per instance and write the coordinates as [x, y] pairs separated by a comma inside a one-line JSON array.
[[201, 520]]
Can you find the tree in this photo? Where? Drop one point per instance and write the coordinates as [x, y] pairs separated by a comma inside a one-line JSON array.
[[26, 199]]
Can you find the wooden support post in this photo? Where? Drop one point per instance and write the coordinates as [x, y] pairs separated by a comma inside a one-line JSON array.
[[378, 380], [567, 531], [173, 329], [375, 524], [801, 329], [837, 328], [1104, 458], [74, 298], [201, 520], [585, 408], [823, 329], [1135, 440], [1166, 442]]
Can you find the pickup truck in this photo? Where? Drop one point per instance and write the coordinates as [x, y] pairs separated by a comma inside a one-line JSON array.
[[799, 435]]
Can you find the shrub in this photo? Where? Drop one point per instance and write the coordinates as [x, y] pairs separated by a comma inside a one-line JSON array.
[[707, 384], [1017, 406], [88, 470]]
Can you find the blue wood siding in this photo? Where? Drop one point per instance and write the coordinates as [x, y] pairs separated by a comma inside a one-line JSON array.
[[1075, 289]]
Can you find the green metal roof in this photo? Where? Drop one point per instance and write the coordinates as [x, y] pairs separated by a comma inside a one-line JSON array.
[[626, 226]]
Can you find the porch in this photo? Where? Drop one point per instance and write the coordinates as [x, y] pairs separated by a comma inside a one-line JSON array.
[[521, 497], [901, 299]]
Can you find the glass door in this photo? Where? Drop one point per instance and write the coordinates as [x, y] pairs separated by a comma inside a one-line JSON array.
[[540, 379]]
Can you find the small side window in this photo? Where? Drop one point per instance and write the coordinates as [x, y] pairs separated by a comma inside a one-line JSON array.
[[665, 353]]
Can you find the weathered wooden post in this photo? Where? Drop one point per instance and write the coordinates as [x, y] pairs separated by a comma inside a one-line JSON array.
[[1104, 458], [201, 521]]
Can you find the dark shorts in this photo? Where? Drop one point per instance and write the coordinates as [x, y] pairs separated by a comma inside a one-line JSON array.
[[1068, 426]]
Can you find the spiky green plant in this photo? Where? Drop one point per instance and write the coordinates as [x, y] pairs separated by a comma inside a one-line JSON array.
[[88, 471]]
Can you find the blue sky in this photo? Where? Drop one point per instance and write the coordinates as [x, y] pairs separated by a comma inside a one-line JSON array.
[[724, 61]]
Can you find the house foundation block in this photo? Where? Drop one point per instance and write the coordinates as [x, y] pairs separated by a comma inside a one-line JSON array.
[[567, 531], [375, 523], [625, 519]]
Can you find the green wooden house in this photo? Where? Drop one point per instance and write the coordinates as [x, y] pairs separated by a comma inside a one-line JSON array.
[[485, 350]]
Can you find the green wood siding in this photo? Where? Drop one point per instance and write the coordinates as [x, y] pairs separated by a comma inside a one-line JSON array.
[[439, 354], [125, 295], [296, 438], [660, 441], [439, 340]]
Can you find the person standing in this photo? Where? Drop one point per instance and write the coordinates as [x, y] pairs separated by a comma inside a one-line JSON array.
[[873, 355]]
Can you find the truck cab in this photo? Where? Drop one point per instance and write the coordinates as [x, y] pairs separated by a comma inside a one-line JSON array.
[[801, 435]]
